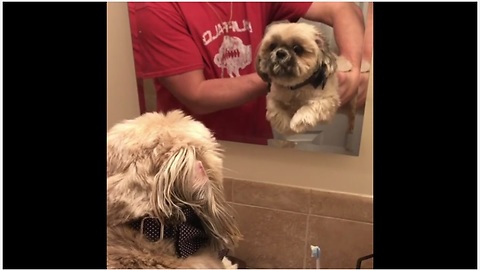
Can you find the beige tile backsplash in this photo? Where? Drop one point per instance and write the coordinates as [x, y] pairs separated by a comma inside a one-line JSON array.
[[279, 223], [271, 196], [227, 188], [341, 205], [272, 237], [342, 241]]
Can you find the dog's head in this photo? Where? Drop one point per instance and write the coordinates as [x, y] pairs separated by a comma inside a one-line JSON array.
[[290, 53], [157, 164]]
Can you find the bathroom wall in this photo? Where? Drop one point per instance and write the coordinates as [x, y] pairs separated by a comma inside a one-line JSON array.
[[279, 223], [122, 98]]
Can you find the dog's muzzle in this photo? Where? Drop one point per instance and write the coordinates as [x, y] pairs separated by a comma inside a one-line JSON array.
[[280, 55], [281, 63]]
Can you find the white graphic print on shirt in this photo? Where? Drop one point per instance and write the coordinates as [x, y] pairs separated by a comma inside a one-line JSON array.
[[233, 54]]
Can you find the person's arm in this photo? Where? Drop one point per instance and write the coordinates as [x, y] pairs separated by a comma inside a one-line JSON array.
[[164, 37], [368, 40], [348, 28], [367, 57], [203, 96]]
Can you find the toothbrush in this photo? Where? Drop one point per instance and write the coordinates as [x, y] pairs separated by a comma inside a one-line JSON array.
[[316, 254]]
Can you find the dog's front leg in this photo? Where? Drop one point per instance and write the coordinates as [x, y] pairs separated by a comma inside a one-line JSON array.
[[314, 112], [278, 117]]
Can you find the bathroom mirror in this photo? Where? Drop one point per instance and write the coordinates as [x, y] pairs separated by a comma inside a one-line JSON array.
[[341, 136]]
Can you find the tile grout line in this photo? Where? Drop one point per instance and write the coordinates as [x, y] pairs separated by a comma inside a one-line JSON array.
[[301, 213], [306, 243], [343, 219], [273, 209], [309, 204]]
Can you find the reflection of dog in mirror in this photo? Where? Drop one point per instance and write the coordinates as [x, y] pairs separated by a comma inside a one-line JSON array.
[[295, 59], [165, 201]]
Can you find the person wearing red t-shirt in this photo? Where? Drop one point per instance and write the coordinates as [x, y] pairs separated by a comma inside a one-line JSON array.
[[200, 55]]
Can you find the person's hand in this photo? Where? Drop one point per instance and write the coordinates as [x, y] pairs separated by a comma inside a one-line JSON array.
[[348, 83], [362, 89]]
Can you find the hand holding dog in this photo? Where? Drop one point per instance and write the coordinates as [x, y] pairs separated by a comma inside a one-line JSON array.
[[362, 89], [348, 84], [367, 57]]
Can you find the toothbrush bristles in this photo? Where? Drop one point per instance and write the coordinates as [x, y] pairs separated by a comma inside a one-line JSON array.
[[315, 251]]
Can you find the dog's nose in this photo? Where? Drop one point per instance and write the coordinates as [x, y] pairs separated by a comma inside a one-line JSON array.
[[281, 54]]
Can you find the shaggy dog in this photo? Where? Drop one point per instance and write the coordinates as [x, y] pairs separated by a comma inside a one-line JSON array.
[[296, 60], [165, 202]]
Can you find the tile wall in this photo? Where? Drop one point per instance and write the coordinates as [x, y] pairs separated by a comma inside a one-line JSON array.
[[279, 223]]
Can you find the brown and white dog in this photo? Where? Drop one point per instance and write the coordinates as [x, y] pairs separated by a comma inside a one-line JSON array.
[[165, 201], [296, 60]]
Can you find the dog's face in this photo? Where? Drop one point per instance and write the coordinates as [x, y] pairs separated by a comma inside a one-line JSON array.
[[291, 52], [157, 164]]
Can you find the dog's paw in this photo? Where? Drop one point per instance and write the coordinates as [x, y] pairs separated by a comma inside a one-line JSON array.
[[228, 264], [300, 125], [302, 122], [326, 116], [280, 122]]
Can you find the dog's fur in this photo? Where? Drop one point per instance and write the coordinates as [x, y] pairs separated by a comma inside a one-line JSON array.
[[157, 163], [289, 54]]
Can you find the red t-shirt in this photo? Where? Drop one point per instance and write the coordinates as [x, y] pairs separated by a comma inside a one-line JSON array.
[[177, 37]]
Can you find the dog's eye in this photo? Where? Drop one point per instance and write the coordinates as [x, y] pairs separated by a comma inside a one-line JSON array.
[[298, 49], [272, 46]]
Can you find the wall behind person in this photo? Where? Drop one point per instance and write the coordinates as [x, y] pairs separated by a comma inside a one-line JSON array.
[[122, 98]]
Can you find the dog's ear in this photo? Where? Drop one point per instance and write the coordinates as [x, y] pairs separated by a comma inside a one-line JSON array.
[[175, 184], [327, 57], [263, 75], [320, 39], [127, 197], [329, 60]]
